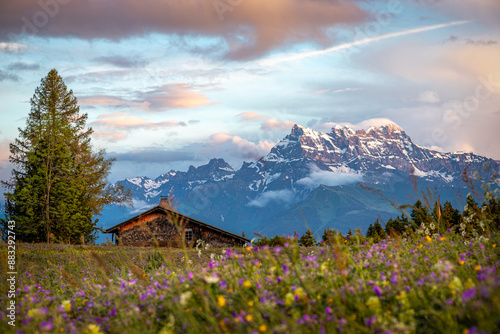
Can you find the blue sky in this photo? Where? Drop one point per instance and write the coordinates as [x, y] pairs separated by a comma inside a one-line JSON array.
[[169, 83]]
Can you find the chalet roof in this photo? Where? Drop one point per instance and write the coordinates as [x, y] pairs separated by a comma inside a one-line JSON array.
[[115, 228]]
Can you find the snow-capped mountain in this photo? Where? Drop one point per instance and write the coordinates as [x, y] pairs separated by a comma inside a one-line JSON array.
[[149, 190], [261, 192]]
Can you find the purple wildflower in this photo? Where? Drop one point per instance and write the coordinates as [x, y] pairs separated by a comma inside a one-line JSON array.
[[370, 321], [377, 290], [468, 294]]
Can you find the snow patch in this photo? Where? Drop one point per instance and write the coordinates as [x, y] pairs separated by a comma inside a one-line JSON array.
[[135, 180]]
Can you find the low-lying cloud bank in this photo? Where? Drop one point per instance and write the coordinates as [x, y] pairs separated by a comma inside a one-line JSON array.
[[329, 178]]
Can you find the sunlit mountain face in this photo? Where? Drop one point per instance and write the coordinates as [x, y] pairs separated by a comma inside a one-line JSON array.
[[320, 172]]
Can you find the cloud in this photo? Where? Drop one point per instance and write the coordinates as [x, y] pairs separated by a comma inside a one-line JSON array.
[[154, 155], [284, 196], [250, 116], [23, 66], [174, 96], [319, 177], [272, 125], [110, 101], [7, 76], [4, 150], [11, 47], [363, 125], [111, 136], [484, 12], [121, 61], [237, 146], [248, 29], [133, 122], [307, 54], [337, 91], [170, 96], [345, 90], [5, 165], [429, 96], [471, 41]]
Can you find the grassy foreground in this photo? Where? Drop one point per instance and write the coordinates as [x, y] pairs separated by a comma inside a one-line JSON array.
[[444, 284]]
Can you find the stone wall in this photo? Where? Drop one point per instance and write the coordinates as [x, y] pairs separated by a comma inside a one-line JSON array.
[[156, 228]]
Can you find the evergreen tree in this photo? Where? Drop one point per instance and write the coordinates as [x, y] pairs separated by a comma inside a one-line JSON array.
[[379, 233], [329, 236], [307, 239], [470, 217], [369, 232], [420, 213], [58, 183], [450, 216]]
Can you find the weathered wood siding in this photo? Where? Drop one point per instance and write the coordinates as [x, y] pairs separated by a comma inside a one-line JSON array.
[[158, 226]]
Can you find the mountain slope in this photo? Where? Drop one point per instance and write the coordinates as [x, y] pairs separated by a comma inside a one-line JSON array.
[[317, 170]]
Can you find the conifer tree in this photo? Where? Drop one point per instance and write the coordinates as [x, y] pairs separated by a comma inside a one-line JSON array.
[[307, 239], [420, 213], [58, 183]]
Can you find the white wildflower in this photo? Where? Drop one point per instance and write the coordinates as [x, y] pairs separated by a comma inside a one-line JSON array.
[[211, 279], [185, 297]]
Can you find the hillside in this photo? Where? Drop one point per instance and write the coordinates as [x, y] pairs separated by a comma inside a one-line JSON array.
[[319, 172]]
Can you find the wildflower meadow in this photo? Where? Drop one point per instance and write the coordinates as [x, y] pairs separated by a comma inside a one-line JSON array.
[[425, 284]]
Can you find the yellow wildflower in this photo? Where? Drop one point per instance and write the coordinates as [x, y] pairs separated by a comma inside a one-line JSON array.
[[461, 262], [250, 303], [249, 248], [478, 267], [420, 246], [455, 285], [289, 299], [300, 292], [443, 238], [494, 245], [222, 326], [262, 328], [236, 320], [428, 239], [93, 329], [469, 284], [373, 303], [221, 301], [66, 305], [249, 318], [247, 284]]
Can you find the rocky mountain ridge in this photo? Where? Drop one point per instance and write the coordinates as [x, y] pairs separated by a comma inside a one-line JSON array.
[[303, 161]]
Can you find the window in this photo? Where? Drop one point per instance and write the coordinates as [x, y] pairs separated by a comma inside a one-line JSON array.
[[188, 234]]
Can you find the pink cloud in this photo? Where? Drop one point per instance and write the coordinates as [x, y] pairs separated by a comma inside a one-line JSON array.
[[272, 125], [111, 136], [133, 122], [249, 29], [171, 96], [174, 96], [250, 116], [4, 149], [239, 146]]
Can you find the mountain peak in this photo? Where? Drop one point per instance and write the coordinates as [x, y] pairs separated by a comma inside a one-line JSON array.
[[386, 128], [297, 130]]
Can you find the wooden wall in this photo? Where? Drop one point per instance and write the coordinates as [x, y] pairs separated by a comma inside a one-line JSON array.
[[158, 226]]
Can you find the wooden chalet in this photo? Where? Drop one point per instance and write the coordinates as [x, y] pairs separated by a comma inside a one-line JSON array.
[[163, 226]]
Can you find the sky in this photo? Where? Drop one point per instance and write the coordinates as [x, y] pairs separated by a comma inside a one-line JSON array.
[[171, 83]]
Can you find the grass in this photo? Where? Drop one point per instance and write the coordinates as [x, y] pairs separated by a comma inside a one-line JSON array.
[[428, 285]]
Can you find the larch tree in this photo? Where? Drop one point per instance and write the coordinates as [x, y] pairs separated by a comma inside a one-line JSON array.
[[59, 183]]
